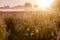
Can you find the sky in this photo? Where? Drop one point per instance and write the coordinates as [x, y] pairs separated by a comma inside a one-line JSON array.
[[15, 2]]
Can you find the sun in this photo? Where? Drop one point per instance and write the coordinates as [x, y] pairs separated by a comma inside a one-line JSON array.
[[43, 4]]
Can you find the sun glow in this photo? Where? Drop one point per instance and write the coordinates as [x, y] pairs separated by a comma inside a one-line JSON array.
[[43, 4]]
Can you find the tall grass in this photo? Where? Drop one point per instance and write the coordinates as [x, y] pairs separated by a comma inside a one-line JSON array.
[[33, 26]]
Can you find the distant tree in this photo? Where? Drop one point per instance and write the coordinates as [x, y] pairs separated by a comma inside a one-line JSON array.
[[28, 5], [7, 6], [35, 5]]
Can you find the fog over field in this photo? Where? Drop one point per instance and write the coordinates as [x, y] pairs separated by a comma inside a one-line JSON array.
[[21, 9]]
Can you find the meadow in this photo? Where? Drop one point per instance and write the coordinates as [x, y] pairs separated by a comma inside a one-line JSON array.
[[31, 25]]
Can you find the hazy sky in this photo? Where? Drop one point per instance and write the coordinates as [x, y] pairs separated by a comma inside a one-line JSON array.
[[14, 2]]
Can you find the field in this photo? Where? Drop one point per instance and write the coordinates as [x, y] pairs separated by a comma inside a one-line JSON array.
[[31, 25]]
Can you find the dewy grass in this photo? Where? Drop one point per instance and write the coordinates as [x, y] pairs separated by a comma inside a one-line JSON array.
[[30, 26]]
